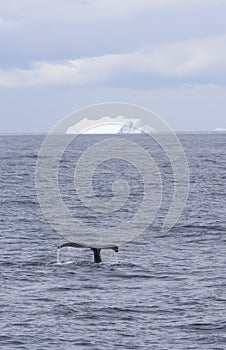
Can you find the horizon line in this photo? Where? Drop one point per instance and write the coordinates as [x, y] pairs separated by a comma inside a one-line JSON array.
[[34, 133]]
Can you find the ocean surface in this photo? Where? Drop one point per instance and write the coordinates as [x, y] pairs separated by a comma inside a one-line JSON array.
[[159, 292]]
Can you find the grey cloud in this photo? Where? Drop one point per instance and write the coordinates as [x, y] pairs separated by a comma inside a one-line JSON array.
[[193, 60]]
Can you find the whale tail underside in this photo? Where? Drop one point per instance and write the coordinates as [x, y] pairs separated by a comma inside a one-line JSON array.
[[78, 245], [96, 250]]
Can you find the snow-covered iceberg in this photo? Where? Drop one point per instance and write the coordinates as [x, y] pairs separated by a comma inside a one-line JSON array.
[[107, 125]]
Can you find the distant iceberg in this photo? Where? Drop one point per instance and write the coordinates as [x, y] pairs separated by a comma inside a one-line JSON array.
[[220, 130], [107, 125]]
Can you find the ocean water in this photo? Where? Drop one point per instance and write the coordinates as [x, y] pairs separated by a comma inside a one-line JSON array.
[[160, 291]]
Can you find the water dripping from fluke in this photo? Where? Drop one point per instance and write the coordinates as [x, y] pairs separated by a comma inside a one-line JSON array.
[[58, 256]]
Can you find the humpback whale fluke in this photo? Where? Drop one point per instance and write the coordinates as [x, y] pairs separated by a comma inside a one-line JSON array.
[[96, 250]]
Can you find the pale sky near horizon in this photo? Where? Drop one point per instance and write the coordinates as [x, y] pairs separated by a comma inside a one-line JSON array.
[[61, 55]]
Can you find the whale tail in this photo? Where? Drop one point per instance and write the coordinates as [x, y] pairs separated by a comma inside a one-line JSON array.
[[96, 250]]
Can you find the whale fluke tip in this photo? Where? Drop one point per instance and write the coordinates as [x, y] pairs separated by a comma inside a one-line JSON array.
[[116, 249]]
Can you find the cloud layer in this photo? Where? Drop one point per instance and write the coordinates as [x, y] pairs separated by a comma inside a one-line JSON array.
[[187, 61]]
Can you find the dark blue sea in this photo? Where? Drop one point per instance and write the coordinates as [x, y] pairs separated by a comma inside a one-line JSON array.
[[160, 292]]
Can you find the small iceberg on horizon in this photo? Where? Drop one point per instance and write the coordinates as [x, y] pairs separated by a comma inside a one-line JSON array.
[[220, 130]]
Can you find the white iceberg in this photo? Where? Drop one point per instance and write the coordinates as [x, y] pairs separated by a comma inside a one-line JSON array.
[[220, 129], [107, 125]]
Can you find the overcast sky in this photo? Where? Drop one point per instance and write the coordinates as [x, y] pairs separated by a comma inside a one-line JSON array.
[[61, 55]]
